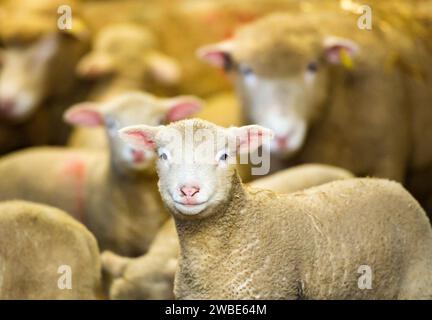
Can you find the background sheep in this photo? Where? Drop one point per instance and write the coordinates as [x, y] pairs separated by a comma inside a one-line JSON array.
[[114, 194], [36, 241], [328, 99], [37, 80], [152, 275], [306, 244]]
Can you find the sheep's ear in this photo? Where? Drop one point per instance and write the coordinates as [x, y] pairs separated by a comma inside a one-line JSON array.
[[140, 137], [218, 54], [95, 65], [85, 114], [250, 138], [340, 51], [182, 107], [163, 68]]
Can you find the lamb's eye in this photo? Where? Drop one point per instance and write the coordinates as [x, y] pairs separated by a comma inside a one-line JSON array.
[[163, 156], [245, 70], [223, 157], [110, 123], [312, 67]]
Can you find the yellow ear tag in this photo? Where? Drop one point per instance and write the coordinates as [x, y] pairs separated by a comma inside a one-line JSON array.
[[78, 28], [346, 59]]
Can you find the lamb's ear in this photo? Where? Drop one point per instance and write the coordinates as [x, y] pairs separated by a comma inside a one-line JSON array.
[[250, 138], [218, 54], [340, 50], [85, 114], [140, 137], [182, 107], [163, 68], [94, 65]]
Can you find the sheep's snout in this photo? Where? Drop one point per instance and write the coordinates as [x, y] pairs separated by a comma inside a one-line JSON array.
[[189, 192], [6, 106]]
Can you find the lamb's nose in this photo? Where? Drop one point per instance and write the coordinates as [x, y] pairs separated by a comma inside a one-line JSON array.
[[6, 105], [189, 191]]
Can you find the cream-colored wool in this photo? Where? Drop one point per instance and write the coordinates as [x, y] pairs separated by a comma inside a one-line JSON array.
[[152, 275], [370, 116], [241, 242], [113, 193], [36, 241], [124, 211]]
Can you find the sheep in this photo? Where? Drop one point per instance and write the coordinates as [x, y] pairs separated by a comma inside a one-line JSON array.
[[327, 97], [238, 242], [45, 254], [113, 193], [37, 79], [152, 275]]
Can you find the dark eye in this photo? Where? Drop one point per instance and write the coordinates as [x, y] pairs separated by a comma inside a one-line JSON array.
[[223, 157], [110, 123], [163, 156], [312, 67], [245, 70]]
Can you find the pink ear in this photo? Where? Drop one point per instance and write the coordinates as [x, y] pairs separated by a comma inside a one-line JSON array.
[[334, 47], [250, 138], [84, 114], [182, 107], [139, 137], [218, 55]]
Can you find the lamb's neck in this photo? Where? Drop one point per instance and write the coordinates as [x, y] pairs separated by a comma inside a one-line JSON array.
[[216, 229]]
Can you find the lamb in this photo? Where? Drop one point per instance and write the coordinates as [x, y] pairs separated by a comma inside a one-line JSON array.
[[239, 242], [40, 247], [113, 193], [152, 275], [327, 98], [37, 79], [124, 58]]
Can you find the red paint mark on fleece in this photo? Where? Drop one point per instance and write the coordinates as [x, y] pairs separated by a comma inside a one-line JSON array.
[[76, 169]]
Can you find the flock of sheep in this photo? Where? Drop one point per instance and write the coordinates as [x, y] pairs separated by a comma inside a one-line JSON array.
[[120, 144]]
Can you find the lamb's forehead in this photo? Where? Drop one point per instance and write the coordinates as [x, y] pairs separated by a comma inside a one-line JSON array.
[[134, 107], [285, 44], [119, 33], [195, 131]]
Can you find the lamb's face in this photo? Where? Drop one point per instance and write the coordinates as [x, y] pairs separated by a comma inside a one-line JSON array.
[[129, 109], [283, 81], [23, 77], [127, 51], [196, 161]]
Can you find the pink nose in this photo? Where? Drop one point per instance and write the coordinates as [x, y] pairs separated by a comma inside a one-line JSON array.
[[6, 105], [282, 141], [138, 155], [189, 191]]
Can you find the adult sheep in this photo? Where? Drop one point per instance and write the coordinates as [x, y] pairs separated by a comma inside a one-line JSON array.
[[334, 93], [245, 243], [37, 78]]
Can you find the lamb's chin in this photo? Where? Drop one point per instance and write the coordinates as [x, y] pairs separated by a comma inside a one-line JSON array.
[[190, 210]]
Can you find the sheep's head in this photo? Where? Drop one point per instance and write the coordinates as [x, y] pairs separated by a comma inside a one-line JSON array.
[[281, 70], [196, 161], [128, 50], [129, 109], [37, 59]]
